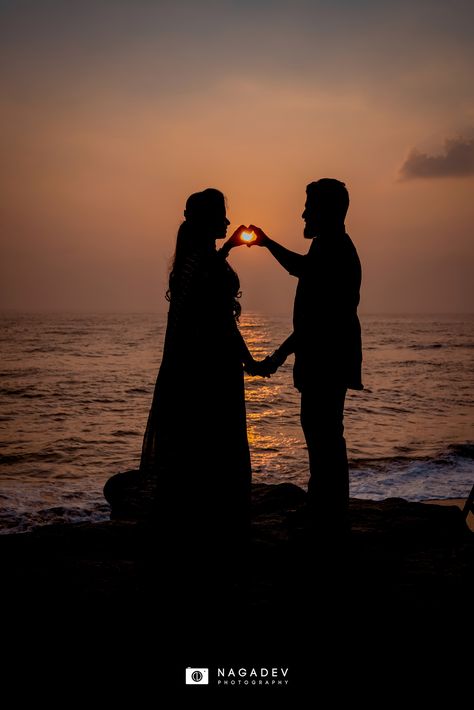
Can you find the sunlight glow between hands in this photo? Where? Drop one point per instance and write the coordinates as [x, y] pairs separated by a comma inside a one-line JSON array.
[[248, 237]]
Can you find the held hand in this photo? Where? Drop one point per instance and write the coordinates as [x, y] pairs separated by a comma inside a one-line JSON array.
[[268, 366], [261, 239], [236, 239], [255, 369], [264, 368]]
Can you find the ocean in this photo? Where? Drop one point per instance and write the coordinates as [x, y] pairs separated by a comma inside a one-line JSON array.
[[76, 390]]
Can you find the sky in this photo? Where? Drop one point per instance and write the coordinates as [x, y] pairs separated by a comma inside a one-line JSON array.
[[114, 111]]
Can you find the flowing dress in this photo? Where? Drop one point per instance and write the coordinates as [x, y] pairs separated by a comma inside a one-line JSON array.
[[195, 445]]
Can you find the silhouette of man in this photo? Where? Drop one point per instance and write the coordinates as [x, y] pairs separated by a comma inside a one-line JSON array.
[[326, 341]]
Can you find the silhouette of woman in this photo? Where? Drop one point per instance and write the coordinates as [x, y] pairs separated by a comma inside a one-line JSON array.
[[195, 445]]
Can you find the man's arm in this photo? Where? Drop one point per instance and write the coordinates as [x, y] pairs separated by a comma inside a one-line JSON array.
[[270, 364], [285, 349], [290, 260]]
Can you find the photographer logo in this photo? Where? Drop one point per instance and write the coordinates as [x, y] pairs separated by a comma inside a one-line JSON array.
[[197, 676], [262, 676]]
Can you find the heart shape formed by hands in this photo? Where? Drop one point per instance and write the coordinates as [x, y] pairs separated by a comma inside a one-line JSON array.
[[248, 237]]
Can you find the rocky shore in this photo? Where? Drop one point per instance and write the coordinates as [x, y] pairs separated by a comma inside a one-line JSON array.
[[408, 565]]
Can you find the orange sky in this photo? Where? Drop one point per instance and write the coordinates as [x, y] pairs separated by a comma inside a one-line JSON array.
[[114, 112]]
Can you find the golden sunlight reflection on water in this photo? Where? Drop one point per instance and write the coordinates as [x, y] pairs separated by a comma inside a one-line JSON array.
[[276, 441]]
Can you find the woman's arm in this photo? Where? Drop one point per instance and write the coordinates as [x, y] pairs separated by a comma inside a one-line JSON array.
[[251, 366], [245, 354], [232, 242]]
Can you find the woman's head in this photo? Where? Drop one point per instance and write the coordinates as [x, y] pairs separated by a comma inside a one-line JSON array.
[[205, 221], [205, 214]]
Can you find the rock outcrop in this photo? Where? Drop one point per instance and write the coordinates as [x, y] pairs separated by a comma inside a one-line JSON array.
[[417, 554], [111, 591]]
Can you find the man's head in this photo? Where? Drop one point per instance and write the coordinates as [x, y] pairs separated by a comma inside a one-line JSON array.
[[327, 202]]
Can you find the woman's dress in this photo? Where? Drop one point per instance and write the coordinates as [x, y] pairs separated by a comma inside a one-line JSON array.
[[195, 445]]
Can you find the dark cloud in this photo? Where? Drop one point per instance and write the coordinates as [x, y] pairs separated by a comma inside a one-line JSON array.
[[457, 161]]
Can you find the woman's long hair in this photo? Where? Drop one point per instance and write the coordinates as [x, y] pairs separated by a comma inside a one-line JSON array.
[[193, 236], [184, 246]]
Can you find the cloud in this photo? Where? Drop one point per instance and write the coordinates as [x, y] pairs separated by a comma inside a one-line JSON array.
[[457, 161]]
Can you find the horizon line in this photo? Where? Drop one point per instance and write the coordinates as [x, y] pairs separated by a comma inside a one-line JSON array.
[[107, 311]]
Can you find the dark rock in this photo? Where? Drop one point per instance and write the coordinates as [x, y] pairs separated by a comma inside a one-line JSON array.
[[406, 565], [411, 542], [130, 495]]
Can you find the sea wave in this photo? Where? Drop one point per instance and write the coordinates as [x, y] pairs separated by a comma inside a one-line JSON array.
[[13, 520], [451, 453], [437, 346], [446, 474]]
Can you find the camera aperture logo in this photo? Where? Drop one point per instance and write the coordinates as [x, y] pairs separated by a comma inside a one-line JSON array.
[[197, 676], [239, 676]]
